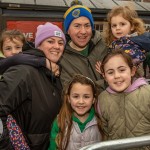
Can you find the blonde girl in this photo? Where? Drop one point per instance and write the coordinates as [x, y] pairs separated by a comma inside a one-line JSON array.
[[124, 19], [77, 124]]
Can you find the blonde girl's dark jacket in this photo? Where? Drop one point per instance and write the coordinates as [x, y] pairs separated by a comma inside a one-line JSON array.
[[73, 62], [126, 114]]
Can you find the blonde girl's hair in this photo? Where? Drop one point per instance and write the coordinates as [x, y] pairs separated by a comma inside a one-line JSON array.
[[127, 13], [65, 116], [11, 34]]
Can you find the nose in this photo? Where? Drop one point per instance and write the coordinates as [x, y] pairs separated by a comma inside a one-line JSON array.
[[14, 51], [116, 74], [56, 45], [83, 30], [117, 26], [81, 100]]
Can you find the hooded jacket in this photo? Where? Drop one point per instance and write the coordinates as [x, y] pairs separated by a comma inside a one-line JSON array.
[[126, 114], [74, 62], [32, 97]]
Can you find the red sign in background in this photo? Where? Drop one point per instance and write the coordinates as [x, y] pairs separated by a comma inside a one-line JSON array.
[[28, 27]]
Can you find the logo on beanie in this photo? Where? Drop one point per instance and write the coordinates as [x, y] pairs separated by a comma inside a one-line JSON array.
[[76, 13], [57, 33]]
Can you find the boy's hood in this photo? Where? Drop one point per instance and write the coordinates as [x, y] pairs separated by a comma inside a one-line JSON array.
[[142, 40]]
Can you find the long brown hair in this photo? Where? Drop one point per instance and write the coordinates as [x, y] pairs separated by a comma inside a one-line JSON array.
[[127, 13], [65, 116]]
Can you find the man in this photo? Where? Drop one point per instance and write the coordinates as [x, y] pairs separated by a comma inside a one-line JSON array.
[[84, 45]]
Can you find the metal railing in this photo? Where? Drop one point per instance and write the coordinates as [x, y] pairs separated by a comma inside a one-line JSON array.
[[121, 144]]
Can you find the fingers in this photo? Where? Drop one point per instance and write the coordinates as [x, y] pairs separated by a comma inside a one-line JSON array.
[[53, 67], [57, 73], [97, 67]]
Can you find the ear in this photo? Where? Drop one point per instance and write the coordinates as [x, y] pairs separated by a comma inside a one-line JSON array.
[[39, 47], [133, 71], [68, 98], [104, 77], [68, 32], [132, 28], [93, 100]]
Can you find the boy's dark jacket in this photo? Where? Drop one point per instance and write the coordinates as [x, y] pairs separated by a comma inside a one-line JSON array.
[[33, 57], [142, 40], [32, 96]]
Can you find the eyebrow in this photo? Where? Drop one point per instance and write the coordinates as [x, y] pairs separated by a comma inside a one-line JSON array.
[[117, 68]]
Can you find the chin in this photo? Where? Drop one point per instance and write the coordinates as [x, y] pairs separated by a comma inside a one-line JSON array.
[[120, 90], [82, 44], [54, 60]]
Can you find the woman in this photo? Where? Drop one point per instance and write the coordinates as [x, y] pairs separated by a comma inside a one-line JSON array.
[[31, 95]]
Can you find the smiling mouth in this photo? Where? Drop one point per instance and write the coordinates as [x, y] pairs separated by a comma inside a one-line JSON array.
[[80, 107], [119, 33], [118, 83], [54, 53], [82, 37]]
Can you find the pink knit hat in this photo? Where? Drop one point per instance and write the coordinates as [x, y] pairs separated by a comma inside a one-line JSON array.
[[48, 30]]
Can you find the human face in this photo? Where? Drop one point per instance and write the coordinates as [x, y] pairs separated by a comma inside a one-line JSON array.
[[118, 73], [81, 99], [53, 48], [120, 27], [80, 31], [11, 47]]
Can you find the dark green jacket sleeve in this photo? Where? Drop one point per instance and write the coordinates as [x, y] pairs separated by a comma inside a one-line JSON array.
[[53, 135]]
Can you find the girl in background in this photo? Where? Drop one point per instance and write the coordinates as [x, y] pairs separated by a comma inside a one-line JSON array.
[[126, 30], [125, 104], [77, 124]]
